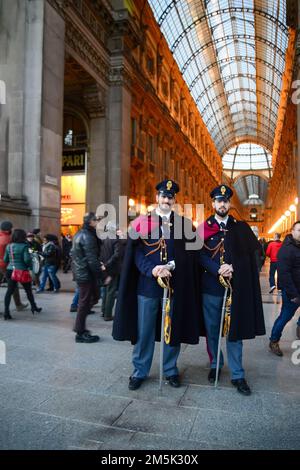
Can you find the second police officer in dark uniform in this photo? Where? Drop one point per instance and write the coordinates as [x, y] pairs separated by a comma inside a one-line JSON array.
[[154, 253], [229, 251]]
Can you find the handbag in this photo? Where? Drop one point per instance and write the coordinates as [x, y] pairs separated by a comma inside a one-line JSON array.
[[19, 275]]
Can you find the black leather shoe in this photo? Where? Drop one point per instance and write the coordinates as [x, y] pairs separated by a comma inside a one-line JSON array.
[[86, 338], [242, 386], [108, 318], [36, 309], [135, 383], [212, 375], [7, 316], [174, 381]]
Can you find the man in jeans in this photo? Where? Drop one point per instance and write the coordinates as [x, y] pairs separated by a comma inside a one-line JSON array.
[[272, 252], [87, 273], [289, 276], [50, 264], [5, 238]]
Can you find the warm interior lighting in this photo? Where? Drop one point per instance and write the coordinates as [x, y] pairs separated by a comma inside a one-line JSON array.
[[292, 208], [287, 213], [143, 209], [296, 200], [131, 202]]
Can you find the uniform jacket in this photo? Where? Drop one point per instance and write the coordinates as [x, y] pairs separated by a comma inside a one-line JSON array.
[[187, 323], [247, 320]]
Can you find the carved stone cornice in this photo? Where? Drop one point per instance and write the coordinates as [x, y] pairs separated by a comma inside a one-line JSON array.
[[94, 100], [124, 27], [76, 41], [119, 75], [97, 20]]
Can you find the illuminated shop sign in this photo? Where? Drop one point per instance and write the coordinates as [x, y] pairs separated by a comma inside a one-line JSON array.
[[73, 160]]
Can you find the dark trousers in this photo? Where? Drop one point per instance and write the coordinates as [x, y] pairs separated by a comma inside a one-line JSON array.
[[288, 310], [88, 295], [16, 294], [11, 287], [273, 269], [109, 297]]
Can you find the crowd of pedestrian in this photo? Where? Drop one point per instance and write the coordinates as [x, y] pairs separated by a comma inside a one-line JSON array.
[[110, 268]]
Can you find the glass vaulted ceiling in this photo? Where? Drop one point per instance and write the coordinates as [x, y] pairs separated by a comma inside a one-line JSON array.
[[232, 56]]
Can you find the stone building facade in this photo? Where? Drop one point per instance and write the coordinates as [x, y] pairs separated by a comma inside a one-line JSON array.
[[104, 64], [97, 77]]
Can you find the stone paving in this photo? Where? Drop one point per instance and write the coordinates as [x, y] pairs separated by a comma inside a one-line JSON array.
[[56, 394]]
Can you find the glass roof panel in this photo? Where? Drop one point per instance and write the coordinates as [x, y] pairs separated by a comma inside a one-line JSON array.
[[232, 56], [247, 156]]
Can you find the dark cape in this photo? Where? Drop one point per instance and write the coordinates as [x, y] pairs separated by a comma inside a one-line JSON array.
[[187, 321], [247, 317]]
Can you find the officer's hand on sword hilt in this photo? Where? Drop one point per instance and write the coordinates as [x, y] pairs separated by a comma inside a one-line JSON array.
[[161, 271], [226, 270]]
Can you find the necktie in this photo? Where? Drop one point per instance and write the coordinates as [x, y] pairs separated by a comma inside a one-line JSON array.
[[222, 226], [165, 227]]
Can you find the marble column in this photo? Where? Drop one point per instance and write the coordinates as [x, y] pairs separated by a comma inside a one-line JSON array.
[[12, 39], [96, 169], [43, 124], [119, 135]]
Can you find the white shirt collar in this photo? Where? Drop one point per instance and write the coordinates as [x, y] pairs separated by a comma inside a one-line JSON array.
[[161, 214], [219, 219]]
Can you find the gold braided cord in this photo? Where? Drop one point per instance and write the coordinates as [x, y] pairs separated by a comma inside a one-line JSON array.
[[160, 245], [215, 249], [165, 284], [226, 283]]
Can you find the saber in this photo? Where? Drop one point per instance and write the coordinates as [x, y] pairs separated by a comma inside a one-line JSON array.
[[162, 338], [220, 335]]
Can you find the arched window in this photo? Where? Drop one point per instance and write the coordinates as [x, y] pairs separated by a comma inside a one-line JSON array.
[[75, 134]]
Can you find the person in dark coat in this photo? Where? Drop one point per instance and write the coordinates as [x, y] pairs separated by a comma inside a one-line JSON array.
[[87, 274], [288, 266], [156, 252], [111, 258], [66, 249], [229, 251]]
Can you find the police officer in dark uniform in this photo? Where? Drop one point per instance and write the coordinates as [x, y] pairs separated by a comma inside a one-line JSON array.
[[229, 254], [156, 253]]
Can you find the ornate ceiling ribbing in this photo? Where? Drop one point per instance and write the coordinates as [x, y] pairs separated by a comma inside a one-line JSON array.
[[251, 189], [232, 56]]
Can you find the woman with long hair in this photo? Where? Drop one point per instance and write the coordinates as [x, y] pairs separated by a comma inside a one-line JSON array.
[[19, 263]]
